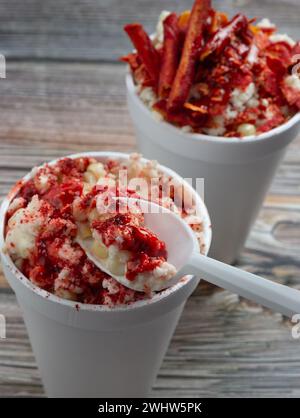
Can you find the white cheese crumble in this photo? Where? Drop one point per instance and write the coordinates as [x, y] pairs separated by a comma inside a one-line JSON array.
[[253, 102], [43, 180], [293, 81], [230, 113], [253, 54], [239, 101], [148, 96], [266, 24], [157, 116], [187, 129], [239, 98], [269, 114], [69, 254], [279, 37], [155, 278], [23, 228], [218, 128], [17, 203], [106, 181], [111, 285]]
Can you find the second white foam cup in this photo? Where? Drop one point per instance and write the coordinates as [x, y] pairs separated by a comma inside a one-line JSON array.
[[237, 172], [95, 351]]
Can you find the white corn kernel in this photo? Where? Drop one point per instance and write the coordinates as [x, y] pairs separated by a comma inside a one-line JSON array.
[[116, 267], [93, 215], [84, 230], [89, 178], [97, 169], [99, 250], [87, 187], [123, 256], [78, 213], [106, 181], [247, 129], [66, 294]]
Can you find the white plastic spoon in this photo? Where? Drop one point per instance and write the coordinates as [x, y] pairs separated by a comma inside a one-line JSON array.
[[155, 217], [183, 253]]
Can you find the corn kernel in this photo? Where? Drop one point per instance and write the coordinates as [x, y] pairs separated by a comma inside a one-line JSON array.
[[78, 213], [247, 129], [97, 169], [84, 230], [116, 267], [89, 178], [99, 250], [87, 187], [106, 181], [66, 294], [93, 215], [123, 256]]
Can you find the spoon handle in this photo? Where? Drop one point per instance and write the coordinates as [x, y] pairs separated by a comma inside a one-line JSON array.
[[272, 295]]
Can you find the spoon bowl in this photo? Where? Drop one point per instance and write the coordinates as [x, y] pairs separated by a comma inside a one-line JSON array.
[[178, 237], [183, 253]]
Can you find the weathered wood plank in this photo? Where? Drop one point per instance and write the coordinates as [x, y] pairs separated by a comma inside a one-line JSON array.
[[220, 354], [221, 348], [53, 110], [92, 29]]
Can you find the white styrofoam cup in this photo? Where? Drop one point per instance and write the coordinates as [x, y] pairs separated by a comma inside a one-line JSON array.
[[237, 172], [87, 350]]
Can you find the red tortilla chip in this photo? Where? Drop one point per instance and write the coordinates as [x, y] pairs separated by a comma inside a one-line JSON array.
[[223, 36]]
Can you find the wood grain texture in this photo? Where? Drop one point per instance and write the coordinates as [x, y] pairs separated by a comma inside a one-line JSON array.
[[65, 93], [92, 29], [221, 348]]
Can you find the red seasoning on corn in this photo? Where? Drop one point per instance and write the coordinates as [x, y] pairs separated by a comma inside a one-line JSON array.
[[209, 74], [67, 202]]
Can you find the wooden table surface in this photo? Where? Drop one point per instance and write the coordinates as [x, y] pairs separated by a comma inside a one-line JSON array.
[[64, 92]]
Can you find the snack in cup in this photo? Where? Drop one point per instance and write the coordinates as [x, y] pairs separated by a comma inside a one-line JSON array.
[[210, 74], [96, 349], [75, 199]]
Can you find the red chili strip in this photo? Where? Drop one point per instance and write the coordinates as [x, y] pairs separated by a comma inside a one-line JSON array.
[[186, 70], [222, 37], [170, 56], [146, 51]]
